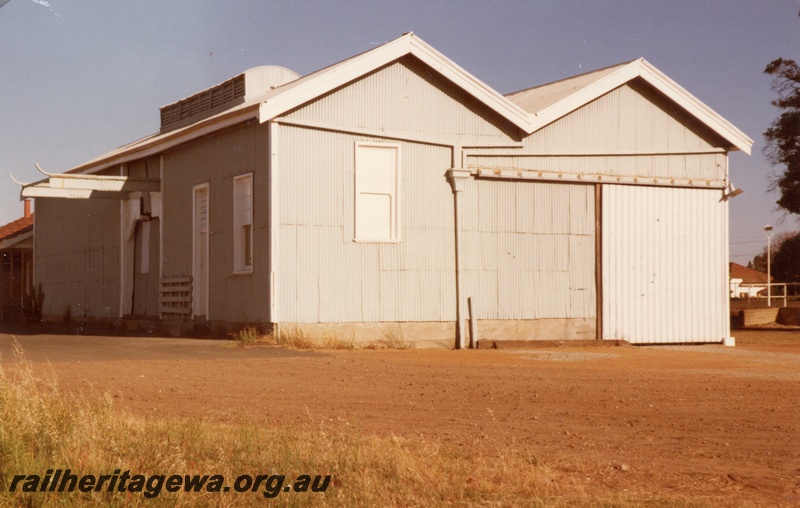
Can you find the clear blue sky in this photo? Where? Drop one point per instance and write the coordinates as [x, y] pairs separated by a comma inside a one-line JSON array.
[[81, 77]]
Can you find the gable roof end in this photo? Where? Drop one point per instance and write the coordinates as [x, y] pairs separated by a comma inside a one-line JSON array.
[[550, 102], [316, 84], [529, 110]]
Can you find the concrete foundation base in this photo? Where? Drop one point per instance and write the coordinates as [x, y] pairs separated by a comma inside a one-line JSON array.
[[420, 334], [443, 333]]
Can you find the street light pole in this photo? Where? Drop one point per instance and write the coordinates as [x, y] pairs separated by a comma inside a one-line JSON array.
[[768, 233]]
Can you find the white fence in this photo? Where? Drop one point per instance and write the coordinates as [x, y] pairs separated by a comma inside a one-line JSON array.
[[779, 291]]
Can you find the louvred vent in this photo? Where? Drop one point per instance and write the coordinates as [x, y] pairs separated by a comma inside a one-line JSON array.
[[203, 104]]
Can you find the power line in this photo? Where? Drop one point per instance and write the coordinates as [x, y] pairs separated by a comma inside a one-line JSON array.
[[752, 241]]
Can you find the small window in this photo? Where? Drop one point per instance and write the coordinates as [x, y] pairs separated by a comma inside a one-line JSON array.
[[376, 194], [243, 223]]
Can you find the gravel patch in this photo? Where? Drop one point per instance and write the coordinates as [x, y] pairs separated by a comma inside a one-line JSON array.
[[560, 356]]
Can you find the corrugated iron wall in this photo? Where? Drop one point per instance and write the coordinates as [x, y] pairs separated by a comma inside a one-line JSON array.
[[630, 131], [323, 275], [77, 256], [528, 246], [406, 97], [664, 265], [217, 160], [529, 249], [631, 119], [146, 282]]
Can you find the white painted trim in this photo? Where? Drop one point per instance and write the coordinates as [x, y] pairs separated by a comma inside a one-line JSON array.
[[240, 269], [695, 107], [43, 190]]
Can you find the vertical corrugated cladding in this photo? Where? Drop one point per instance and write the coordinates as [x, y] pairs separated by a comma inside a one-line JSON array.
[[406, 97], [662, 252], [630, 131], [77, 256], [529, 249], [630, 119], [325, 275], [216, 160]]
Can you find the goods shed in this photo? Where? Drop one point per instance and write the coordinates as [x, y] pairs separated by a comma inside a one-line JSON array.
[[376, 196]]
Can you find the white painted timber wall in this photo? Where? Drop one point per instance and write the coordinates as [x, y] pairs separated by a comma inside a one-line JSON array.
[[664, 265]]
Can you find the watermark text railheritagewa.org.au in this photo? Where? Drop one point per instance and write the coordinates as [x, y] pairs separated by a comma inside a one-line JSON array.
[[64, 480]]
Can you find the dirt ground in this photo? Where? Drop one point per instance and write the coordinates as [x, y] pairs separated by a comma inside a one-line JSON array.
[[706, 422]]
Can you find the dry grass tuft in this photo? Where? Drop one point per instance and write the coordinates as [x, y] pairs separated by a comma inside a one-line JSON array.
[[249, 335], [390, 340], [296, 338]]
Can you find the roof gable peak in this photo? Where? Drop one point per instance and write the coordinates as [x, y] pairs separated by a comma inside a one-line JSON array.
[[548, 103], [316, 84]]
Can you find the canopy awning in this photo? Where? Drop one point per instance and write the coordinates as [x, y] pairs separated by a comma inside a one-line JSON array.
[[82, 186]]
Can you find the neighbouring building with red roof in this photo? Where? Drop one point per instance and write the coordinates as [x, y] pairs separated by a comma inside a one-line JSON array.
[[746, 282], [16, 270]]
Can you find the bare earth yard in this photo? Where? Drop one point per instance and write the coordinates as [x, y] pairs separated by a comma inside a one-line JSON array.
[[705, 423]]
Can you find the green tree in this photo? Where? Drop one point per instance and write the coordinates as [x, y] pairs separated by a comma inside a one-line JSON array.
[[783, 135], [759, 261], [786, 260]]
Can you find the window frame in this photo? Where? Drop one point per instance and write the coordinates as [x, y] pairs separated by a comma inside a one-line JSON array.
[[241, 240], [395, 223]]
